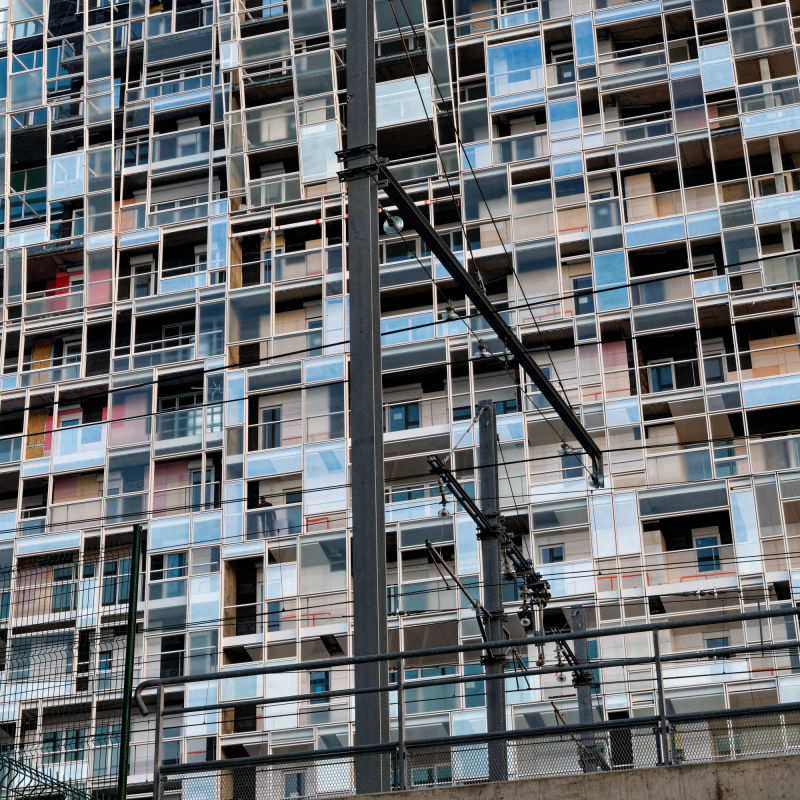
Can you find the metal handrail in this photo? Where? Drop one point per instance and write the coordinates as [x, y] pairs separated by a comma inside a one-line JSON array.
[[346, 661]]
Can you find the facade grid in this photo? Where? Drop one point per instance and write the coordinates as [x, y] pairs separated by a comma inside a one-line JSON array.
[[624, 179]]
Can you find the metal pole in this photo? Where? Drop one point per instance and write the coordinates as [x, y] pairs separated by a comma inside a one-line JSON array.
[[402, 767], [130, 654], [492, 592], [157, 745], [664, 744], [366, 397], [583, 686]]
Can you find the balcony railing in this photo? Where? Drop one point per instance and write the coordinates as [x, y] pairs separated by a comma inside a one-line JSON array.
[[53, 301], [274, 191], [409, 415], [79, 447], [180, 430], [74, 515], [272, 521], [33, 521], [696, 564]]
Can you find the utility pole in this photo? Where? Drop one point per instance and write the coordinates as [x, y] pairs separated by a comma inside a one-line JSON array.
[[366, 397], [130, 654], [582, 680], [492, 591]]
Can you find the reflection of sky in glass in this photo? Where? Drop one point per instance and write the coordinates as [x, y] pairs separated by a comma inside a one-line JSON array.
[[564, 118], [515, 67]]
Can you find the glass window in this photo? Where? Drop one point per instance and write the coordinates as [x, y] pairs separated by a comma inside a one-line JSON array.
[[707, 553], [515, 67], [325, 478], [399, 101], [564, 118], [609, 271], [538, 262], [716, 67], [552, 554], [313, 73], [320, 681], [318, 146], [486, 194], [65, 176], [583, 294], [323, 563]]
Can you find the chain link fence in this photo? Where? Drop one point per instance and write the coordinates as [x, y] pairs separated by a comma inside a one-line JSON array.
[[567, 750]]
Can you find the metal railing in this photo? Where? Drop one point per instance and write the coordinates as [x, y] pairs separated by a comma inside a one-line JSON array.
[[664, 734]]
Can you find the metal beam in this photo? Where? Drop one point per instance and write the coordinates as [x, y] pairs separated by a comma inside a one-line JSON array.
[[467, 503], [493, 660], [366, 398], [582, 680], [471, 647], [419, 222]]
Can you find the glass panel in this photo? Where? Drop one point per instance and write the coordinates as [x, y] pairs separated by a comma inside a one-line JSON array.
[[323, 563]]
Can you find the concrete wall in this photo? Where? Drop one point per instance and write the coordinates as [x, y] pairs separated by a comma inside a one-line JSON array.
[[773, 778]]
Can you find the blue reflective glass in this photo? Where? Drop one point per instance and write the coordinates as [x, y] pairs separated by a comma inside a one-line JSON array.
[[564, 118], [706, 223], [716, 67], [745, 529], [769, 391], [654, 231], [584, 39], [567, 165], [778, 208], [622, 412], [773, 121], [609, 270], [515, 67], [169, 532]]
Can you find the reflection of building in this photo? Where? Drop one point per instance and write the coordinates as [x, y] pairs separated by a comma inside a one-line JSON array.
[[174, 348]]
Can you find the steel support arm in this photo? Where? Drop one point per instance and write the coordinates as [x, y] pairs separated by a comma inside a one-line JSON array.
[[483, 524], [419, 222]]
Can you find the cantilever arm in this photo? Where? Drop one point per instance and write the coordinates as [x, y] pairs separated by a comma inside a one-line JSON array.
[[419, 222]]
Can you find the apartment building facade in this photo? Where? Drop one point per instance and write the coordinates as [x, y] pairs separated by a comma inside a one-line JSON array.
[[624, 177]]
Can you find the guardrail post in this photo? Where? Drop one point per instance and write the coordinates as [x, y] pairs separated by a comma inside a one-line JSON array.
[[663, 737], [402, 756], [157, 744]]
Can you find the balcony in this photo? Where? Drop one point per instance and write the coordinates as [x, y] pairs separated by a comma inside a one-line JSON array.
[[184, 499], [10, 449], [273, 521], [54, 301], [650, 60], [769, 94], [33, 521], [669, 376], [79, 447], [75, 515], [670, 203], [713, 566], [569, 578], [297, 266], [265, 192], [186, 209], [420, 597], [177, 431], [180, 150], [164, 351], [51, 370], [425, 416]]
